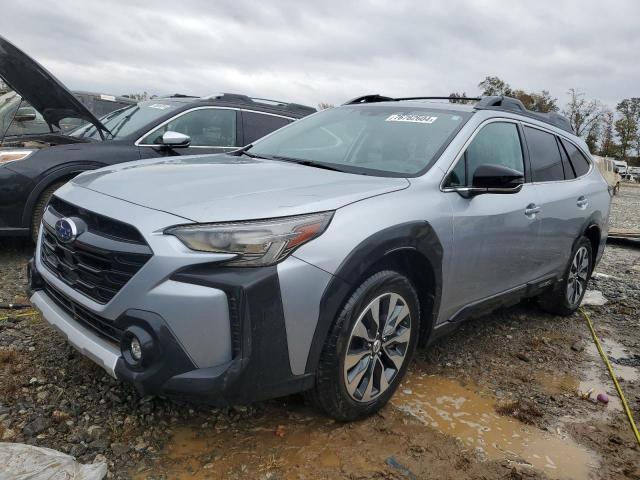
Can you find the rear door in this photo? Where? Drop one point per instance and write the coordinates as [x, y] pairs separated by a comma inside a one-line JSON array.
[[561, 194], [211, 129], [258, 124], [496, 236]]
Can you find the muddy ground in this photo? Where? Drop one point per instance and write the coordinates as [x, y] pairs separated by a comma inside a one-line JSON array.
[[510, 395]]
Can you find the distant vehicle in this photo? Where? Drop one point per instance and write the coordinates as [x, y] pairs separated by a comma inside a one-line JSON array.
[[609, 171], [38, 164], [20, 122], [622, 166], [318, 257]]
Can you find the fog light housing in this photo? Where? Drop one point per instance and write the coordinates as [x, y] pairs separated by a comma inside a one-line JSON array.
[[138, 347], [135, 349]]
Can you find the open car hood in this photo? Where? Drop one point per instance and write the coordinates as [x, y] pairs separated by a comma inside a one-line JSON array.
[[40, 88]]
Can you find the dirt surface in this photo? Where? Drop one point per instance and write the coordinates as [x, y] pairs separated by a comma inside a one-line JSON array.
[[510, 395]]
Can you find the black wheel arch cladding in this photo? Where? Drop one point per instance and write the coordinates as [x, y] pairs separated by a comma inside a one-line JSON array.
[[417, 237]]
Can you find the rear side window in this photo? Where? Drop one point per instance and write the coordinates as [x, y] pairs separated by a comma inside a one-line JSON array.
[[569, 172], [496, 144], [257, 125], [546, 163], [578, 160]]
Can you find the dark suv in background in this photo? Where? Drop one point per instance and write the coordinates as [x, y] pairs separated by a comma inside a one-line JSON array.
[[34, 166]]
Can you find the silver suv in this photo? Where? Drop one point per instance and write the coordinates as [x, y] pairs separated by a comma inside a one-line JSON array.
[[317, 258]]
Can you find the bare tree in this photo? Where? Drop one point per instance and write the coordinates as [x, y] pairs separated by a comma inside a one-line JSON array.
[[608, 145], [628, 127], [325, 105], [582, 113]]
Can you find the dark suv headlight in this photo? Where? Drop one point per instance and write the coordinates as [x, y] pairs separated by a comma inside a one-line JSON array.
[[256, 243]]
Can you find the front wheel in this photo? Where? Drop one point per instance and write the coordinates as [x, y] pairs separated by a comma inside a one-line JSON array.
[[369, 347], [566, 299]]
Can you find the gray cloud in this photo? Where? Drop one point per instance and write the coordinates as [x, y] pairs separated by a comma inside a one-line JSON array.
[[332, 50]]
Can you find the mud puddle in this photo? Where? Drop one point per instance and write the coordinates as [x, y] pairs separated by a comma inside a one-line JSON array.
[[467, 415], [595, 378]]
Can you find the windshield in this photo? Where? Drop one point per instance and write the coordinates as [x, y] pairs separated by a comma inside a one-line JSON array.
[[377, 140], [128, 120]]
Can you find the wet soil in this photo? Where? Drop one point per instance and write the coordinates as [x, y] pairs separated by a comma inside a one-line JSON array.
[[510, 395]]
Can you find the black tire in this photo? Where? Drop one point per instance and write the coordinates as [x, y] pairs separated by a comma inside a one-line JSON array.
[[558, 301], [38, 210], [330, 392]]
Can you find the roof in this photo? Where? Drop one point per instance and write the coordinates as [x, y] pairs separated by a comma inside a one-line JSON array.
[[499, 103]]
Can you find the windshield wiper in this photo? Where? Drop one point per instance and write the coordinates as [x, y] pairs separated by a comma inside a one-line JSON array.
[[307, 163]]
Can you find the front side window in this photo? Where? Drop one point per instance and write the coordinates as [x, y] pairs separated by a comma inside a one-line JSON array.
[[578, 160], [497, 143], [372, 139], [207, 127], [546, 163]]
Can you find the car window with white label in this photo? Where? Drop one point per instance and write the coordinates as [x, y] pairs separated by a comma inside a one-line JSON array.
[[366, 139], [207, 127]]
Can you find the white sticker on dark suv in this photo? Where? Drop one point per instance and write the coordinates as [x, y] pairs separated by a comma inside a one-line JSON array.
[[399, 117], [160, 106]]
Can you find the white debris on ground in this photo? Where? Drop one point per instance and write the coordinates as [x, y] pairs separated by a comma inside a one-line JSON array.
[[27, 462], [593, 297]]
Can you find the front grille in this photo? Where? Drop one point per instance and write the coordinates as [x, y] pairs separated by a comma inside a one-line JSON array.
[[101, 326], [104, 226], [101, 260]]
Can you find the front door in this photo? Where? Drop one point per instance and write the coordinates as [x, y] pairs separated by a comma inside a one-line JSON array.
[[495, 235]]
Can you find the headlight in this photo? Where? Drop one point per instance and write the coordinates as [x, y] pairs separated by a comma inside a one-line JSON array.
[[7, 156], [256, 243]]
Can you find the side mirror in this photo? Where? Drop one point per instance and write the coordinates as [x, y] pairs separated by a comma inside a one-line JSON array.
[[25, 114], [489, 178], [616, 169], [175, 140], [497, 177]]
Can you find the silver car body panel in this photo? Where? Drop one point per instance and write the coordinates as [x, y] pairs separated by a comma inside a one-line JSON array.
[[223, 188], [84, 340], [489, 244]]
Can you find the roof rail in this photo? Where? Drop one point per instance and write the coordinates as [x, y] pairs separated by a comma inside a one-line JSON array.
[[380, 98], [514, 105], [239, 98]]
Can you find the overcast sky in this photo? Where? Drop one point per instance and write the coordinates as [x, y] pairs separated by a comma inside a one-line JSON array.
[[330, 50]]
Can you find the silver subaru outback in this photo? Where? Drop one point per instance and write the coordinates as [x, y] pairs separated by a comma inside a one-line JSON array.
[[318, 258]]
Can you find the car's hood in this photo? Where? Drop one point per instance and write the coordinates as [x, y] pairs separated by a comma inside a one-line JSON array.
[[40, 88], [222, 188]]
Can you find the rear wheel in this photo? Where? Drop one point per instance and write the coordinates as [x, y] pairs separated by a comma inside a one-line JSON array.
[[566, 299], [38, 210], [369, 348]]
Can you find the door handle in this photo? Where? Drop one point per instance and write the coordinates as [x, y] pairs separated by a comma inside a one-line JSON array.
[[582, 202], [531, 210]]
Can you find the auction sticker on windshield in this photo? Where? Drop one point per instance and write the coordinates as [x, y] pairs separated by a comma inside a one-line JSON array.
[[160, 106], [414, 118]]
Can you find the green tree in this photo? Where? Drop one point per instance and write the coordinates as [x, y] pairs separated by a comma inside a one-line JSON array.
[[628, 126], [538, 102], [493, 85]]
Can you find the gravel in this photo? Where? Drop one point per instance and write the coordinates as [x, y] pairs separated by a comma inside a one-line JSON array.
[[51, 396]]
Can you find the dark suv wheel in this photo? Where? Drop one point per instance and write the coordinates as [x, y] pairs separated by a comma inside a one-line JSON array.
[[566, 299], [369, 347], [38, 210]]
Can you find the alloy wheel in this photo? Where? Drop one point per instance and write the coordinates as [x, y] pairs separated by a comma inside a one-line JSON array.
[[377, 347], [578, 276]]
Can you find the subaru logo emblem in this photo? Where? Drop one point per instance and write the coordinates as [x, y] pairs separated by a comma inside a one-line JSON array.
[[66, 230]]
